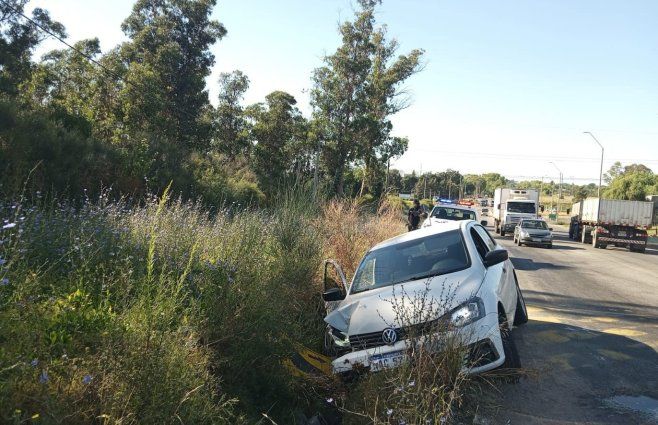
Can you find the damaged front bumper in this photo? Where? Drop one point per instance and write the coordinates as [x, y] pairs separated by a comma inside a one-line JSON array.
[[481, 341]]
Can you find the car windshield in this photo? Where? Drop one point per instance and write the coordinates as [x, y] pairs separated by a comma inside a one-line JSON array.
[[521, 207], [448, 213], [534, 224], [417, 259]]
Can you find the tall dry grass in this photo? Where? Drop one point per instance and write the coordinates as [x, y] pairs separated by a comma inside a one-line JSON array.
[[349, 230], [112, 312]]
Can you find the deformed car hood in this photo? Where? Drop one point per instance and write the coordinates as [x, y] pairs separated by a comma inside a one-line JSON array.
[[405, 303]]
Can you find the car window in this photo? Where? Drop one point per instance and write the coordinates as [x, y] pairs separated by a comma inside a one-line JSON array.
[[416, 259], [534, 224], [481, 247], [449, 213], [486, 237], [521, 207]]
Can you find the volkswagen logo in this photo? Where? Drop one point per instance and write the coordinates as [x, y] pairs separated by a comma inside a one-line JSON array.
[[389, 336]]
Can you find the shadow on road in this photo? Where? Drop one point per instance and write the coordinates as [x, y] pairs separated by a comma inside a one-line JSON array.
[[529, 264], [565, 306], [566, 247], [571, 371]]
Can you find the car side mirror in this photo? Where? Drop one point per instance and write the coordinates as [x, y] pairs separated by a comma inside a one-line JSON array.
[[484, 222], [333, 294], [494, 257]]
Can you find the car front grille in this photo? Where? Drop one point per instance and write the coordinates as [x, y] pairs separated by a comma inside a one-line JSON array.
[[374, 339], [369, 340]]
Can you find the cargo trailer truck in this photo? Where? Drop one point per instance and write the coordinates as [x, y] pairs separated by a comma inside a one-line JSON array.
[[513, 205], [611, 222]]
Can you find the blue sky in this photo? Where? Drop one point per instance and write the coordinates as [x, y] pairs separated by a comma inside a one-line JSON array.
[[507, 87]]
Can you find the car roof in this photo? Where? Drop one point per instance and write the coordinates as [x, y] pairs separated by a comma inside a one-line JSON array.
[[456, 206], [435, 228]]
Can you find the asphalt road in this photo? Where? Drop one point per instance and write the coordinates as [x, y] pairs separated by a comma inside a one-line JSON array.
[[592, 335]]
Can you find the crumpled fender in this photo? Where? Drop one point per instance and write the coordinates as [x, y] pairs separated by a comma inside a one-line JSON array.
[[340, 318]]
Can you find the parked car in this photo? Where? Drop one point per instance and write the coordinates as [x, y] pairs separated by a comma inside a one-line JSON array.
[[533, 232], [453, 257], [450, 212]]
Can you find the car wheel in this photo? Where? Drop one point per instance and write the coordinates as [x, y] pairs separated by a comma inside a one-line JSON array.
[[521, 315], [512, 359]]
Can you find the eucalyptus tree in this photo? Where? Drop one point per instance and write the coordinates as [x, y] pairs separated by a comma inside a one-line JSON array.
[[354, 94]]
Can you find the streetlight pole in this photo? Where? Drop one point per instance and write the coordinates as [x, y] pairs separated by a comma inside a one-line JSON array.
[[559, 196], [598, 212]]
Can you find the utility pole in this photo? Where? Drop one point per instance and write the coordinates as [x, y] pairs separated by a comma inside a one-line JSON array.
[[560, 188], [598, 212], [424, 187]]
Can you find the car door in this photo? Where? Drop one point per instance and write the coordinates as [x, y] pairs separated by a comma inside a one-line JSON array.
[[503, 273], [334, 279]]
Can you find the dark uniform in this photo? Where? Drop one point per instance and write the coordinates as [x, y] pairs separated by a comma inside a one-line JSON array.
[[414, 217]]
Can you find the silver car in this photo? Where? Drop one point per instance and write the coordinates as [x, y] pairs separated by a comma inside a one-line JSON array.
[[533, 232], [459, 258]]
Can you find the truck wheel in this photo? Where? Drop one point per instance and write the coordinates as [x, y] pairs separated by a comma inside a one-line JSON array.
[[632, 248], [497, 227], [595, 242]]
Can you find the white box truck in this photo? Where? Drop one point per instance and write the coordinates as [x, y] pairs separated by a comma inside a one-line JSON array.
[[612, 221], [512, 205]]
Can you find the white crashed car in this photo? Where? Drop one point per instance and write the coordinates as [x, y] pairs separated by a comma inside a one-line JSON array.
[[451, 212], [452, 257]]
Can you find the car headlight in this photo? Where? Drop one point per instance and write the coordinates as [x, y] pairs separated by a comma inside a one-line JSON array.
[[340, 338], [524, 234], [467, 313]]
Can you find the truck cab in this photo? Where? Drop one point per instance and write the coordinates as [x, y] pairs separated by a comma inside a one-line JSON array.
[[513, 205]]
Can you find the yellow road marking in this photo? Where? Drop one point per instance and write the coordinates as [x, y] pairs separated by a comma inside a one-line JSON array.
[[604, 319], [624, 332], [542, 315], [552, 336], [615, 355]]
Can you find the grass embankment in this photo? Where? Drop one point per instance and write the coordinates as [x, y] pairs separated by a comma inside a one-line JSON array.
[[161, 313]]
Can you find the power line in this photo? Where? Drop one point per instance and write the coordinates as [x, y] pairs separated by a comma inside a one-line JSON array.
[[141, 89], [531, 157]]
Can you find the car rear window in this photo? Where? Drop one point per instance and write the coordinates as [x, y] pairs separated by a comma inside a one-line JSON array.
[[417, 259], [534, 224], [448, 213]]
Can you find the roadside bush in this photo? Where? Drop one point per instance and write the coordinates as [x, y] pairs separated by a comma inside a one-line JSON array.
[[161, 313]]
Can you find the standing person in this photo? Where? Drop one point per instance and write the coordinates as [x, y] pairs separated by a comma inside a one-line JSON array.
[[413, 217]]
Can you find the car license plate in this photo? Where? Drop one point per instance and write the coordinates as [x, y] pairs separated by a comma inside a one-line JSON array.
[[621, 233], [386, 360], [536, 239]]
